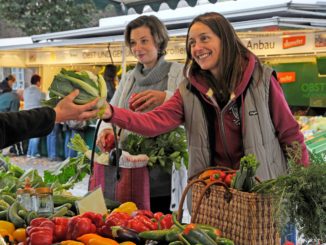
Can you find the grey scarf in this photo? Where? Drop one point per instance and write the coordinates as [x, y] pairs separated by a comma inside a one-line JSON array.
[[144, 79]]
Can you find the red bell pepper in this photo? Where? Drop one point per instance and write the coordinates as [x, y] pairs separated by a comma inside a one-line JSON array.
[[137, 225], [78, 226], [158, 215], [61, 228], [97, 219], [166, 222], [37, 221], [117, 219], [146, 213], [41, 237], [30, 230]]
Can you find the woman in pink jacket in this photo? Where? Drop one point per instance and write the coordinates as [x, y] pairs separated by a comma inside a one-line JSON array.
[[230, 103]]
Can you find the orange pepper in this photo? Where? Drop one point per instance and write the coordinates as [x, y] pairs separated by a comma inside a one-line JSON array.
[[19, 235], [102, 241], [4, 233], [205, 175], [86, 237], [71, 242], [128, 243]]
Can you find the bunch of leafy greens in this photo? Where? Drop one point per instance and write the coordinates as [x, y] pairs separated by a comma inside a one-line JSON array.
[[64, 177], [162, 150], [300, 196], [68, 173], [13, 177], [72, 170]]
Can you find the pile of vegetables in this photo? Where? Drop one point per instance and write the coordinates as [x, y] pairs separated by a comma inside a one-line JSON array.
[[300, 196], [90, 87], [162, 150]]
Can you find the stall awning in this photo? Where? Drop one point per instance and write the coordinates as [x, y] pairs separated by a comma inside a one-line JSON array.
[[139, 5], [244, 15]]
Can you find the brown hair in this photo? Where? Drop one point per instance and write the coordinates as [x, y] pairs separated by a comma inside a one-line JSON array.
[[232, 60], [157, 28], [35, 79]]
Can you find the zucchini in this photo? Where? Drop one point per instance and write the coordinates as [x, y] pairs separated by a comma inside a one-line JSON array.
[[4, 204], [59, 200], [4, 215], [14, 217], [8, 199], [67, 205], [60, 213]]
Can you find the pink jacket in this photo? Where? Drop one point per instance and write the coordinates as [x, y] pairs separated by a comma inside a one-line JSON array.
[[170, 115]]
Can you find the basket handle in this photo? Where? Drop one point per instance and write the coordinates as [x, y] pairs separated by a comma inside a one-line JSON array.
[[227, 195]]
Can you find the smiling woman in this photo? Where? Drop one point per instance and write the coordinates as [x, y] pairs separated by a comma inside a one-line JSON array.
[[230, 103], [147, 86]]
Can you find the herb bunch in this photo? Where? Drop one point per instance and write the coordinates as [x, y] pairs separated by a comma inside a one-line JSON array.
[[162, 150], [300, 196]]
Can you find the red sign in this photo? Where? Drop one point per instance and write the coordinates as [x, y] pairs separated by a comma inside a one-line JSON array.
[[286, 77], [290, 42]]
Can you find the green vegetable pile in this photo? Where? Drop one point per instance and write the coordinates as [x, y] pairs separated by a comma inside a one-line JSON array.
[[90, 87], [300, 196], [162, 150], [64, 177]]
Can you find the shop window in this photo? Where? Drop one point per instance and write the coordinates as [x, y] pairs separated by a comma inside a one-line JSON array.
[[19, 74]]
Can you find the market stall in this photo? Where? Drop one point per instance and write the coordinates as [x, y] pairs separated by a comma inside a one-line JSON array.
[[298, 57]]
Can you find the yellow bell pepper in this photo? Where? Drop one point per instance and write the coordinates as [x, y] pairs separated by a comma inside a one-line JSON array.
[[128, 243], [10, 227], [19, 235], [126, 207]]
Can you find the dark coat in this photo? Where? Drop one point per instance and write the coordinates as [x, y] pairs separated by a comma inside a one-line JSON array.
[[18, 126]]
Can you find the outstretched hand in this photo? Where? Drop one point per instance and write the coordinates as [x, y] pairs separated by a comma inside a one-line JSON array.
[[146, 100], [66, 109]]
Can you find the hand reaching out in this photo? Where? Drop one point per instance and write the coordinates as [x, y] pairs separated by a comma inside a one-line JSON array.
[[66, 109], [146, 100]]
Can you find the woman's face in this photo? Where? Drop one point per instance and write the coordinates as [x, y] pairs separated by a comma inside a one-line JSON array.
[[143, 46], [205, 47]]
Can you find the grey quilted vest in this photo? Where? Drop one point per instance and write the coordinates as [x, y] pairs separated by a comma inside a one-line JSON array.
[[259, 133]]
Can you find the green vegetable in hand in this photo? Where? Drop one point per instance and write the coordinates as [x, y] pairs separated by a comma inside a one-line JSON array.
[[90, 87]]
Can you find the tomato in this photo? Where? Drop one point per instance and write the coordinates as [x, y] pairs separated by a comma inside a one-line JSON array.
[[109, 142], [228, 179]]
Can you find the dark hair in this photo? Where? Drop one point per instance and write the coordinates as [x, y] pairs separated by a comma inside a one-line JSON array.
[[157, 28], [35, 79], [232, 60], [110, 72], [4, 85]]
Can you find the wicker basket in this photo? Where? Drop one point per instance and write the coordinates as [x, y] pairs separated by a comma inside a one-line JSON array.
[[246, 218]]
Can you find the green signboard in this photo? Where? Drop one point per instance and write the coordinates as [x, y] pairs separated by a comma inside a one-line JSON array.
[[308, 88]]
